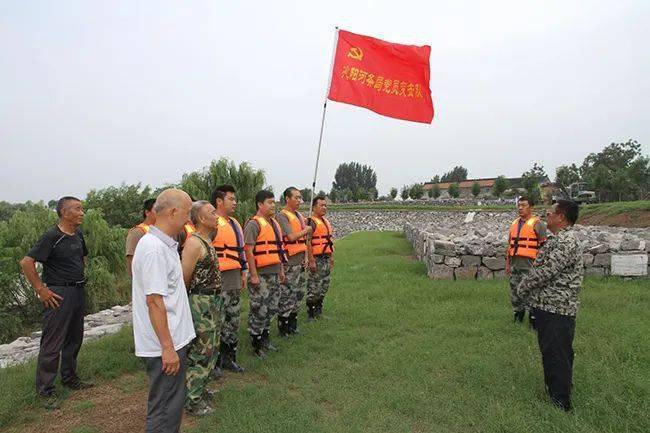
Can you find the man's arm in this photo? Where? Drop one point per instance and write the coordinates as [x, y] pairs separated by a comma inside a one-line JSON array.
[[158, 317], [45, 295], [540, 275], [252, 269], [191, 255]]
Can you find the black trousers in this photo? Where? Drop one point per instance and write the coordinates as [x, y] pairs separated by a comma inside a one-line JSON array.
[[63, 333], [166, 395], [555, 334]]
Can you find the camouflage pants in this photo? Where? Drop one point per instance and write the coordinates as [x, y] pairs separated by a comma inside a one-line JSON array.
[[263, 299], [319, 282], [518, 304], [292, 291], [230, 310], [202, 353]]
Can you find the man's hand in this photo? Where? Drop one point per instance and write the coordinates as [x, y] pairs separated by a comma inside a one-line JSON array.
[[331, 261], [283, 277], [507, 266], [243, 281], [312, 265], [171, 363], [308, 230], [48, 297], [255, 280]]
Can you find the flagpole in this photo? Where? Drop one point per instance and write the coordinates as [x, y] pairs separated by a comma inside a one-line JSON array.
[[322, 122]]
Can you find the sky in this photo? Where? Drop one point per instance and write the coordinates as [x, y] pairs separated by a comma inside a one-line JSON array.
[[96, 93]]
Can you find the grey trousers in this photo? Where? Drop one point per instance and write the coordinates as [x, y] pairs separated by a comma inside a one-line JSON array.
[[63, 332], [166, 396]]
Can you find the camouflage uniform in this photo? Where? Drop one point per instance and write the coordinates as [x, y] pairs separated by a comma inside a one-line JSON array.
[[231, 307], [319, 281], [296, 279], [202, 355], [551, 289], [263, 299], [205, 306], [516, 275]]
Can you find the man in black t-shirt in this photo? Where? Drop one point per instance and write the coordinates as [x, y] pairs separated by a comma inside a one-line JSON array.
[[62, 252]]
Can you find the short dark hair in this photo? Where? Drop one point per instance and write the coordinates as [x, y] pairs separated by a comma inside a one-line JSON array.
[[261, 196], [62, 202], [288, 192], [220, 192], [528, 198], [569, 209], [316, 199], [147, 206]]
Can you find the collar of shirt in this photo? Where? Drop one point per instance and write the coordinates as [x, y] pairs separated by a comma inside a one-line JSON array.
[[170, 242]]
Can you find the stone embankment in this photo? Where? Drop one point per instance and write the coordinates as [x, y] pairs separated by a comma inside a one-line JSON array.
[[459, 246], [95, 325]]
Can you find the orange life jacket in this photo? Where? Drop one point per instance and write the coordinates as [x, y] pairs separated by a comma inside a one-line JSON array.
[[524, 242], [321, 240], [297, 225], [268, 249], [189, 229], [144, 227], [229, 246]]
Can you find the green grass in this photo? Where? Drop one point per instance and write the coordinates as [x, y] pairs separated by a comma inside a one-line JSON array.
[[615, 208], [398, 352]]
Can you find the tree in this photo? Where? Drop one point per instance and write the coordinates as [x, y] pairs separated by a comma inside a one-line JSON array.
[[476, 189], [434, 191], [565, 175], [120, 205], [405, 192], [457, 174], [435, 179], [416, 191], [531, 182], [246, 180], [393, 193], [500, 186], [360, 179], [454, 190], [618, 172]]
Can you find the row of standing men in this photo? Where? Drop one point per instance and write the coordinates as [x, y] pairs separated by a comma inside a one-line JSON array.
[[274, 256]]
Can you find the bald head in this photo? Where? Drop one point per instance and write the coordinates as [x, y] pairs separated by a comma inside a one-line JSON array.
[[172, 210]]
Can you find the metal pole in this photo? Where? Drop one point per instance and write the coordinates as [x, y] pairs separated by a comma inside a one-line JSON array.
[[322, 122]]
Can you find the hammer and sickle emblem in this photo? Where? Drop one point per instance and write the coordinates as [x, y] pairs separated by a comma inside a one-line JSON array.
[[355, 53]]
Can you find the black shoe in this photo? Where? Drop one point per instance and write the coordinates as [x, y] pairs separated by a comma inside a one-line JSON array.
[[311, 310], [229, 358], [50, 401], [532, 322], [216, 372], [293, 324], [258, 350], [519, 316], [319, 308], [266, 342], [565, 405], [283, 327], [77, 384]]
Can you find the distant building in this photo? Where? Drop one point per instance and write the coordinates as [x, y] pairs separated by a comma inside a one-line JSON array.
[[486, 184]]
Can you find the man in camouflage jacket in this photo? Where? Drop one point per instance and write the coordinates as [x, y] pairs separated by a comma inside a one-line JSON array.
[[551, 291]]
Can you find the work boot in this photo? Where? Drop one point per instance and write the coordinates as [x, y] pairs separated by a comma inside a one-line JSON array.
[[519, 316], [256, 342], [266, 342], [532, 321], [229, 357], [77, 384], [319, 308], [216, 372], [283, 326], [311, 310], [293, 324]]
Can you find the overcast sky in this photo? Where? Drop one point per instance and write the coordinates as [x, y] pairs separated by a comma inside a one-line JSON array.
[[96, 93]]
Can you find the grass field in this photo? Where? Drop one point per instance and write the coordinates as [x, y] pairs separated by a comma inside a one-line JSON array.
[[396, 352]]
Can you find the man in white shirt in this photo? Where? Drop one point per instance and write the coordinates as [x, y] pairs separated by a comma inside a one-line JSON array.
[[162, 322]]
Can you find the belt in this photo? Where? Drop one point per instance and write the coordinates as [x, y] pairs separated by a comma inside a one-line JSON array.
[[70, 284], [204, 291]]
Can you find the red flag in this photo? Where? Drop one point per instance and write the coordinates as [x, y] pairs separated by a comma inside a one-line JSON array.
[[389, 79]]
